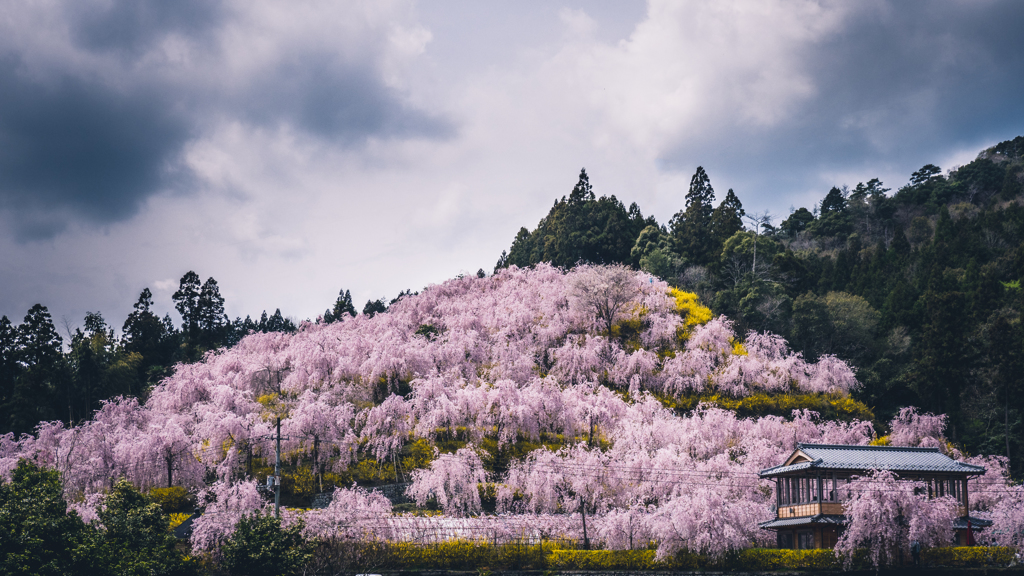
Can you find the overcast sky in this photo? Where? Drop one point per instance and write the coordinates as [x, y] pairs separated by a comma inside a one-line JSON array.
[[289, 149]]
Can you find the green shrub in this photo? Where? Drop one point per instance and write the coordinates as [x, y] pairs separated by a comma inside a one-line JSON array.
[[967, 556], [261, 547], [173, 499], [782, 559], [468, 555], [752, 559], [829, 406]]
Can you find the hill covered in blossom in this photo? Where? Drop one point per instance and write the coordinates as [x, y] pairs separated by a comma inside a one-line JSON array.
[[554, 399]]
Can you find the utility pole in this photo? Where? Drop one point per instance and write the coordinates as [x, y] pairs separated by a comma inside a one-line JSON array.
[[277, 473]]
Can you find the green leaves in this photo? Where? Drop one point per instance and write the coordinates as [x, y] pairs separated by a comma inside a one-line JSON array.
[[260, 546], [37, 535]]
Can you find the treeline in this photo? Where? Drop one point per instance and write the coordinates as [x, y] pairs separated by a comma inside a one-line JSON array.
[[45, 376], [42, 377], [919, 289]]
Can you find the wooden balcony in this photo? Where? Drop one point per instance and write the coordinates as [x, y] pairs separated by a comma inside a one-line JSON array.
[[810, 509]]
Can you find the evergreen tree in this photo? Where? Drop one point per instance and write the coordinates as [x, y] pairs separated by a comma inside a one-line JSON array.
[[10, 368], [727, 219], [135, 535], [834, 202], [144, 333], [186, 302], [374, 307], [580, 228], [37, 534], [343, 305], [42, 387], [691, 228], [212, 320]]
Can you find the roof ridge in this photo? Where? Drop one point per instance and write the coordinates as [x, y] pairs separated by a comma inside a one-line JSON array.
[[801, 445]]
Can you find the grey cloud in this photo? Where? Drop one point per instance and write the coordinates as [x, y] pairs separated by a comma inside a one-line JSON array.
[[324, 96], [76, 149], [906, 81], [131, 27]]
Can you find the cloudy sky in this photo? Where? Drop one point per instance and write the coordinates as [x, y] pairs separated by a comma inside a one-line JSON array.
[[290, 149]]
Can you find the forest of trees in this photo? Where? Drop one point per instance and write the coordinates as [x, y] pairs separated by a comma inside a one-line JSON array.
[[615, 383], [918, 289], [44, 376]]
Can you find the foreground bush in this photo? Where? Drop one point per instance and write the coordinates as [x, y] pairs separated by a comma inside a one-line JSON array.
[[469, 555], [968, 556], [39, 536], [755, 559], [261, 547]]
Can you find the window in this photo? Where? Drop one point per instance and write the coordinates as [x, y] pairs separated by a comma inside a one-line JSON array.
[[806, 540], [785, 540]]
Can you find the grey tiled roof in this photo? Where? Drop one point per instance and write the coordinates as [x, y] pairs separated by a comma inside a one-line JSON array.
[[833, 519], [894, 458], [976, 523]]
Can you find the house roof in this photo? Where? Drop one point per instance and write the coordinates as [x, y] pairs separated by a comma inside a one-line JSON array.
[[818, 519], [976, 523], [841, 520], [894, 458]]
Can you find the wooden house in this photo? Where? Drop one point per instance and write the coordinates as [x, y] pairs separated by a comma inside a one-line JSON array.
[[809, 513]]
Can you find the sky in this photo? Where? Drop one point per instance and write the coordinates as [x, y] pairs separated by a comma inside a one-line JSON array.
[[292, 149]]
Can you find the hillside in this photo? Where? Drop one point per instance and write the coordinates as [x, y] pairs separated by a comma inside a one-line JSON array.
[[917, 290], [534, 392]]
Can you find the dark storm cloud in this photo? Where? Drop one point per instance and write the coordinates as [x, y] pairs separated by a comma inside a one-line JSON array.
[[90, 146], [335, 100], [71, 145], [902, 81], [131, 27]]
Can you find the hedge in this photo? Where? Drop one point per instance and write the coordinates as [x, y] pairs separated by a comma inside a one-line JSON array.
[[829, 406], [968, 556], [755, 559], [468, 555], [472, 555]]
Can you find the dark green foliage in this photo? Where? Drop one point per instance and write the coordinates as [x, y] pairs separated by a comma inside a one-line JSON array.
[[727, 219], [918, 290], [37, 535], [797, 222], [402, 294], [580, 228], [691, 227], [260, 546], [146, 334], [274, 323], [204, 326], [10, 369], [343, 305], [212, 320], [834, 202], [653, 253], [41, 385], [98, 370], [186, 302], [374, 307], [1012, 149], [41, 380], [136, 537]]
